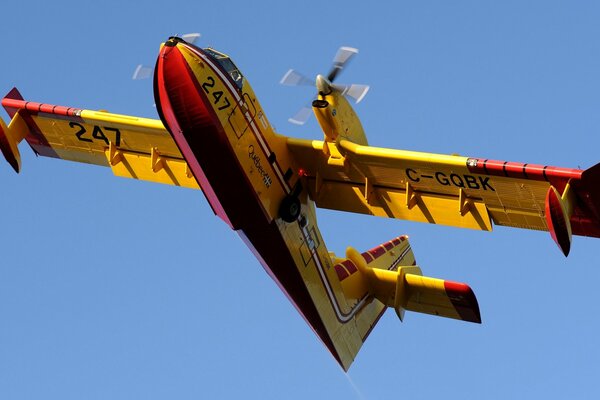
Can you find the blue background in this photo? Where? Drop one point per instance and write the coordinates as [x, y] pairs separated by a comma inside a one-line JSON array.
[[112, 288]]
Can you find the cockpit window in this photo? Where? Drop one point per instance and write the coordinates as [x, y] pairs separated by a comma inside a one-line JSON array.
[[227, 65]]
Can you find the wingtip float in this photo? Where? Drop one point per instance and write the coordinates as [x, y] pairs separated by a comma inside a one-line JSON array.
[[572, 201], [213, 135], [11, 135]]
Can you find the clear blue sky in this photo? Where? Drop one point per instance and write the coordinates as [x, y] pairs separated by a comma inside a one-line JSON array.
[[118, 289]]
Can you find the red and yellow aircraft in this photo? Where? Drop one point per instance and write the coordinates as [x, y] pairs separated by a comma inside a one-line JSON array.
[[213, 135]]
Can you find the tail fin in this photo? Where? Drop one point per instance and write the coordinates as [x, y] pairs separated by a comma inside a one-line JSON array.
[[385, 273]]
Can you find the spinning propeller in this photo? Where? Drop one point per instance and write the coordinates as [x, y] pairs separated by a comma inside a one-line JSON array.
[[325, 83], [145, 71]]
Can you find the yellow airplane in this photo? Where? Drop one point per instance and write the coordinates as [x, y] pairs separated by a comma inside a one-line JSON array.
[[213, 135]]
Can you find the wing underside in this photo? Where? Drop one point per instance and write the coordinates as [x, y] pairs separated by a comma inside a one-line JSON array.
[[132, 147], [448, 190]]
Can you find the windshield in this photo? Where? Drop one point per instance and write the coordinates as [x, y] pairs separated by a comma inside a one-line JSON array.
[[227, 65]]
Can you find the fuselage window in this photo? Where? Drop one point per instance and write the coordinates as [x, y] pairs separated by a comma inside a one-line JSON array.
[[228, 65]]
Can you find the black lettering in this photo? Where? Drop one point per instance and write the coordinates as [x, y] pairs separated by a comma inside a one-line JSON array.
[[210, 82], [117, 135], [256, 160], [442, 179], [457, 180], [227, 104], [484, 183], [98, 134], [409, 171], [80, 132], [217, 96], [471, 182]]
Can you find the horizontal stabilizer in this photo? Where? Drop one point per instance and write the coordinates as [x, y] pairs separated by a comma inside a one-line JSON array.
[[403, 287], [439, 297]]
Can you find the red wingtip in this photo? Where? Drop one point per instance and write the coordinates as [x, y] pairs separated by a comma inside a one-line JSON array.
[[14, 94], [464, 301]]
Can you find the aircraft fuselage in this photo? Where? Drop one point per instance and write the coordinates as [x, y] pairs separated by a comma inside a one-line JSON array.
[[245, 171]]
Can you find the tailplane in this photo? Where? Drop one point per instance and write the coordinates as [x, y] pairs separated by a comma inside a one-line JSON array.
[[389, 273]]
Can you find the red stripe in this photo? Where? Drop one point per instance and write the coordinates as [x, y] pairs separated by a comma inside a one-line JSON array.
[[535, 171], [514, 170], [176, 93], [341, 272], [564, 173], [12, 105], [367, 256], [46, 108], [350, 267], [377, 252], [212, 159], [13, 102], [557, 176], [522, 171], [267, 150], [464, 301], [388, 245]]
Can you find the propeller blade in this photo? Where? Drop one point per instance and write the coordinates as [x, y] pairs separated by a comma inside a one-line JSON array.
[[301, 116], [191, 37], [142, 72], [357, 92], [324, 85], [342, 57], [295, 78], [145, 72], [344, 54]]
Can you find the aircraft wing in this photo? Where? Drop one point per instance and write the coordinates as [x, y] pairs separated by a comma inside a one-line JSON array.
[[451, 190], [132, 147]]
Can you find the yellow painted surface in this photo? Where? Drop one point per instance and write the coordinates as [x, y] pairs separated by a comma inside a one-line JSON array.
[[340, 174], [428, 295], [88, 138], [14, 133], [339, 120], [347, 320], [416, 186], [169, 171], [402, 288], [240, 121]]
